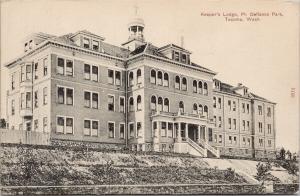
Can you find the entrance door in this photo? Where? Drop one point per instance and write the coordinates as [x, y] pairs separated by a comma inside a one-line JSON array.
[[192, 132], [202, 132]]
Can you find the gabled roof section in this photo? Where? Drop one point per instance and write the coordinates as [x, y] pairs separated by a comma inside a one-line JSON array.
[[173, 46], [199, 66], [114, 50], [88, 33], [148, 48]]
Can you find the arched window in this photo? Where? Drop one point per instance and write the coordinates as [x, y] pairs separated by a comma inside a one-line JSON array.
[[139, 76], [166, 105], [181, 107], [131, 104], [159, 78], [205, 91], [195, 86], [184, 84], [166, 79], [200, 109], [153, 102], [139, 102], [153, 76], [195, 108], [177, 82], [160, 104], [200, 87], [131, 81], [205, 111]]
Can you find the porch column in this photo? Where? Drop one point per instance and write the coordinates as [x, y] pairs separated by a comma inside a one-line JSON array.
[[199, 133], [186, 130], [206, 133], [178, 132], [156, 136]]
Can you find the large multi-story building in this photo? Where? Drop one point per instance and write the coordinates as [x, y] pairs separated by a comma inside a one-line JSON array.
[[80, 89]]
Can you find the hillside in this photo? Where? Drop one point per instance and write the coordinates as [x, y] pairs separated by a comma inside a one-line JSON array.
[[23, 165]]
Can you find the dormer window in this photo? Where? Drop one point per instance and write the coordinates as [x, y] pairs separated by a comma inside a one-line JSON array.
[[26, 47], [86, 43], [245, 91], [30, 44], [176, 56], [183, 58], [95, 45]]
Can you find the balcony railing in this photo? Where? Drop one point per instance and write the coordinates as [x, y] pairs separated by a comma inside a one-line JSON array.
[[184, 114]]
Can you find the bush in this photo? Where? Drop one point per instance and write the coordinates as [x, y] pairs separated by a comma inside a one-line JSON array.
[[263, 171], [229, 174]]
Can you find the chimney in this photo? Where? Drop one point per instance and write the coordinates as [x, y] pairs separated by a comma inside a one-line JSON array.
[[182, 42]]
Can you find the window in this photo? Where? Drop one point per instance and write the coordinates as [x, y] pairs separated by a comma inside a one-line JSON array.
[[163, 129], [219, 103], [260, 127], [60, 127], [160, 104], [23, 73], [214, 102], [87, 99], [69, 125], [205, 89], [181, 107], [195, 108], [30, 44], [259, 110], [166, 105], [36, 101], [166, 79], [206, 111], [177, 82], [233, 106], [220, 121], [12, 107], [13, 81], [22, 100], [261, 142], [244, 141], [183, 58], [110, 76], [159, 78], [200, 109], [138, 129], [131, 80], [244, 124], [131, 104], [87, 71], [111, 129], [63, 92], [248, 140], [248, 108], [60, 66], [28, 72], [153, 76], [122, 130], [95, 45], [210, 136], [111, 103], [200, 88], [184, 84], [195, 86], [45, 66], [269, 112], [176, 56], [215, 120], [153, 103], [122, 104], [118, 78], [234, 124], [269, 143], [234, 139], [220, 138], [91, 127], [243, 107], [86, 42], [229, 104], [131, 130], [45, 95], [95, 100], [139, 102], [36, 70], [248, 125], [95, 73], [45, 124], [139, 76], [35, 125], [28, 100], [230, 139], [229, 123], [216, 138], [170, 130], [269, 129]]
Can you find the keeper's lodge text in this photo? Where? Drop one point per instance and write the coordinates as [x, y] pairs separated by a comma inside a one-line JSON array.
[[242, 16]]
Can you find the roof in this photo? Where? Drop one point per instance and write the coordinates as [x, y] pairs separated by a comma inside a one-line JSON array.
[[173, 45], [88, 33]]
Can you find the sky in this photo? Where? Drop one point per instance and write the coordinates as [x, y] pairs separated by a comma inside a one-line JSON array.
[[263, 54]]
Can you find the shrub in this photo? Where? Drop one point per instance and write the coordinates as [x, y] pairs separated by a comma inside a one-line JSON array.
[[229, 174], [263, 171]]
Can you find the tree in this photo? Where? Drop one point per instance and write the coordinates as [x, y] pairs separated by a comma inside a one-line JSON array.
[[2, 123], [282, 153], [263, 171], [289, 155]]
